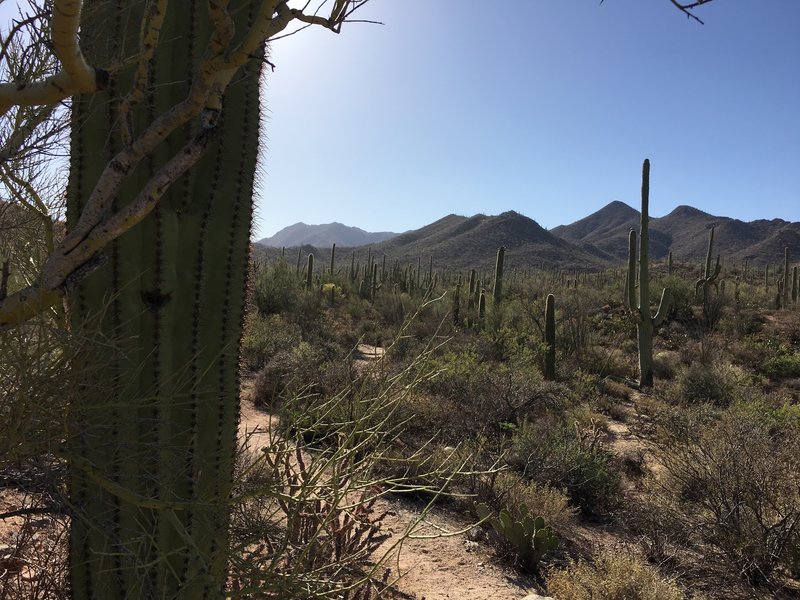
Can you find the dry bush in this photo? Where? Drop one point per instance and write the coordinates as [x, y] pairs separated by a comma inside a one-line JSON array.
[[33, 549], [666, 364], [700, 383], [735, 482], [507, 490], [612, 576]]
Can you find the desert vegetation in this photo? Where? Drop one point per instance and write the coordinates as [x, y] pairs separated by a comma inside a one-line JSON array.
[[186, 417], [509, 397]]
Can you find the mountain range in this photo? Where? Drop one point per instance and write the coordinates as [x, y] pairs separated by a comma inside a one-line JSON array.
[[596, 241], [323, 236]]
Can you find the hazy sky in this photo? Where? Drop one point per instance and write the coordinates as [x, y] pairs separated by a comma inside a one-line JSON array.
[[546, 107]]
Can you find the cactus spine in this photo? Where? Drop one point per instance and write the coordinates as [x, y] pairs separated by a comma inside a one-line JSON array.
[[151, 455], [497, 292], [645, 323], [550, 337]]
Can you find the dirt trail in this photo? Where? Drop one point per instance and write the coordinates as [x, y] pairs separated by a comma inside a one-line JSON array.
[[431, 565]]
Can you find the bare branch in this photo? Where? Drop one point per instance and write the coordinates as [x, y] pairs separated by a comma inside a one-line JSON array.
[[76, 75]]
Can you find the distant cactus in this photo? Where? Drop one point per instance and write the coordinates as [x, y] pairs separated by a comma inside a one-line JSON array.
[[645, 323], [550, 337], [333, 255], [794, 286], [785, 291], [310, 272], [482, 305], [529, 538], [708, 277], [457, 304], [497, 292]]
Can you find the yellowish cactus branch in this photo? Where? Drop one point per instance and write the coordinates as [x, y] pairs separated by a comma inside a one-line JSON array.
[[76, 76]]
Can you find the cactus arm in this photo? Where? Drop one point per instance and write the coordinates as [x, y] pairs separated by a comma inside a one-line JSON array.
[[664, 306]]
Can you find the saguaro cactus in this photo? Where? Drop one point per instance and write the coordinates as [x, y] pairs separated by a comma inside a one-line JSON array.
[[497, 292], [550, 337], [708, 277], [645, 323], [175, 131], [310, 272], [785, 291]]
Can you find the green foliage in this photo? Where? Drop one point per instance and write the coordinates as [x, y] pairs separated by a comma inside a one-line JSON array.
[[550, 450], [786, 364], [276, 289], [265, 337], [528, 538]]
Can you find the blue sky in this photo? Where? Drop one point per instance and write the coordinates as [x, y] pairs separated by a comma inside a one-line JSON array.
[[546, 107]]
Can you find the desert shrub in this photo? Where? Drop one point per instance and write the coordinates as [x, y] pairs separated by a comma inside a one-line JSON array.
[[276, 288], [657, 522], [285, 373], [783, 365], [507, 489], [682, 294], [612, 576], [666, 364], [549, 450], [741, 322], [493, 393], [705, 383], [735, 481], [266, 337]]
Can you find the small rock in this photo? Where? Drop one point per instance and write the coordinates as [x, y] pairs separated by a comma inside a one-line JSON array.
[[476, 534], [470, 546], [537, 597]]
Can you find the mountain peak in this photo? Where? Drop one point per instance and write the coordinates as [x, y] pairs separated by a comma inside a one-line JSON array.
[[323, 236]]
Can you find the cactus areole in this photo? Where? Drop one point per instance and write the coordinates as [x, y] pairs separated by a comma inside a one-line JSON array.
[[151, 447]]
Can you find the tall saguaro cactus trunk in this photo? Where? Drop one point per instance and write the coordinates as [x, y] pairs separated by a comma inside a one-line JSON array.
[[645, 323], [152, 455]]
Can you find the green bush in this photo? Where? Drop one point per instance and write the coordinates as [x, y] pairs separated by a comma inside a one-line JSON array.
[[550, 451], [783, 365], [265, 337], [276, 288]]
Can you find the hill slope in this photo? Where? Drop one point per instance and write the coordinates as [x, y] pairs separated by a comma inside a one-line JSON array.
[[684, 231], [325, 235]]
